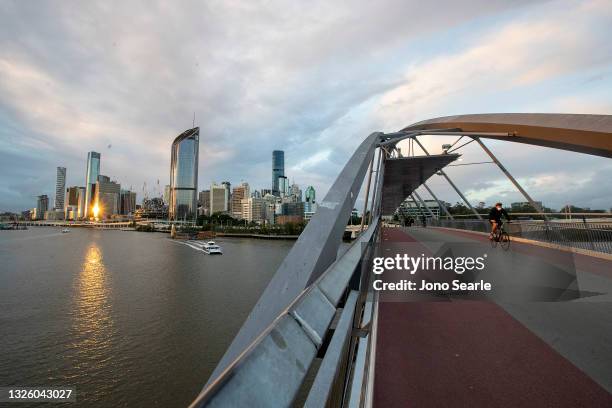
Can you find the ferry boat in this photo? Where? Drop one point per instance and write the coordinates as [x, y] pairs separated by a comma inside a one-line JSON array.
[[212, 248], [65, 230]]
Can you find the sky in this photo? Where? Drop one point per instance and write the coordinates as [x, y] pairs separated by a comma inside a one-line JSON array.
[[310, 78]]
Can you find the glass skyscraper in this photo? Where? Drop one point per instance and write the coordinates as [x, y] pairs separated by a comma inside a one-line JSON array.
[[60, 187], [310, 194], [184, 176], [91, 178], [278, 169]]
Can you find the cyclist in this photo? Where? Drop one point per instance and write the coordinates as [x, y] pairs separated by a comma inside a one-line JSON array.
[[495, 218]]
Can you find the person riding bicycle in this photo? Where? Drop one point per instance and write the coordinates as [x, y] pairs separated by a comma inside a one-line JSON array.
[[495, 218]]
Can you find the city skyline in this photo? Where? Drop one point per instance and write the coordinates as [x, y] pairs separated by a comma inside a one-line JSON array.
[[225, 186], [254, 99]]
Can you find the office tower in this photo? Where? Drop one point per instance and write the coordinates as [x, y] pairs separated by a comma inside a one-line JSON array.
[[238, 194], [128, 202], [310, 206], [265, 191], [81, 203], [295, 192], [269, 208], [278, 169], [60, 186], [91, 178], [107, 199], [42, 205], [218, 202], [293, 209], [184, 176], [310, 194], [72, 203], [253, 209], [228, 196], [72, 196], [204, 201], [269, 211], [282, 186]]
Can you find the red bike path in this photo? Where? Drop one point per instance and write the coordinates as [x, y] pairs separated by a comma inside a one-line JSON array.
[[464, 353]]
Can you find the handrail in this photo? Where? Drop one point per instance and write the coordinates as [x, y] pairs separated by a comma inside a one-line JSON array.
[[286, 348], [589, 235], [314, 251]]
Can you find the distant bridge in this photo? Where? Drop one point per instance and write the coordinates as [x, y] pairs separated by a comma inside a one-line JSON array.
[[320, 336]]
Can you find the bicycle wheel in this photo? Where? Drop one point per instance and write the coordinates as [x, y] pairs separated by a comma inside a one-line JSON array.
[[494, 240], [505, 241]]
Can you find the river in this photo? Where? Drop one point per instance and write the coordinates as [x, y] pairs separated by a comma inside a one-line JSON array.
[[128, 318]]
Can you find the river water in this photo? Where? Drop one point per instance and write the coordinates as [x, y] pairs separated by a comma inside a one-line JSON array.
[[129, 318]]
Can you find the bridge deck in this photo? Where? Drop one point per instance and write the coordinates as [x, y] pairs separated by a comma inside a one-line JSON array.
[[480, 353]]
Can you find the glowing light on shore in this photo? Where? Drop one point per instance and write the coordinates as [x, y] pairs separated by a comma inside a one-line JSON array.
[[96, 210]]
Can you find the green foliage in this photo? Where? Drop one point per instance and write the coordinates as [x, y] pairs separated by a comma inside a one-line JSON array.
[[145, 228], [221, 222]]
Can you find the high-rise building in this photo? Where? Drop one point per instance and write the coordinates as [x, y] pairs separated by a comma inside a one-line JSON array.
[[296, 209], [270, 204], [295, 192], [310, 194], [282, 186], [204, 201], [107, 199], [72, 196], [184, 176], [238, 194], [42, 205], [91, 178], [278, 169], [228, 196], [81, 207], [128, 202], [310, 205], [60, 186], [218, 195], [253, 209], [72, 203]]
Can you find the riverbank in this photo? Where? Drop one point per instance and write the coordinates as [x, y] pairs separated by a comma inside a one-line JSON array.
[[257, 236]]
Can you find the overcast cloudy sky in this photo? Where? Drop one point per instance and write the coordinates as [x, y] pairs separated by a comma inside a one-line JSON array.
[[312, 78]]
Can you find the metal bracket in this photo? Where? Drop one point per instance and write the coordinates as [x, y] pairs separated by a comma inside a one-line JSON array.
[[362, 331]]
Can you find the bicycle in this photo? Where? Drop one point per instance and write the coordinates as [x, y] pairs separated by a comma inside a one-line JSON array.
[[501, 236]]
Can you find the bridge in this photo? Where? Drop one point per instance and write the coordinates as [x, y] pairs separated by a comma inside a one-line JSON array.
[[322, 335]]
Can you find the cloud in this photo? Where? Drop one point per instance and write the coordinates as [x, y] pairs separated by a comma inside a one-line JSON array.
[[538, 46], [312, 80]]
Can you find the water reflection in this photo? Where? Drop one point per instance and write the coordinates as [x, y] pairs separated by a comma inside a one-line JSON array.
[[93, 322], [130, 319]]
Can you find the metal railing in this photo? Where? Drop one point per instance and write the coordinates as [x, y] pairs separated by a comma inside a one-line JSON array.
[[273, 368], [588, 235]]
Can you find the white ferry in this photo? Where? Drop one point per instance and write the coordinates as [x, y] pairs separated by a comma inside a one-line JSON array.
[[212, 248], [65, 230]]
